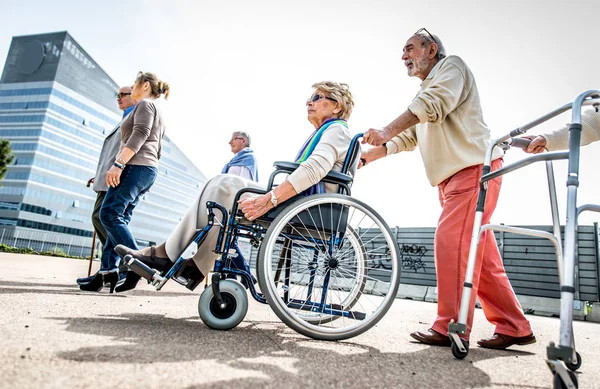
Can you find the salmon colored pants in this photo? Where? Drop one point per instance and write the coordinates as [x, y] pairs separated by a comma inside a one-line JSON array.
[[458, 197]]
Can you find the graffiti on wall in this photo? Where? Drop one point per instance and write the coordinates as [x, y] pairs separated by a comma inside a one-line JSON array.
[[411, 257]]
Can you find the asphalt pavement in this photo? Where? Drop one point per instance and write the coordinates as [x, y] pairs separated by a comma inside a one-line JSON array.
[[52, 335]]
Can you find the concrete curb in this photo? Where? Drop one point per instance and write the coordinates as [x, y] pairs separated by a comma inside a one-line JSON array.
[[544, 306], [431, 294], [412, 292]]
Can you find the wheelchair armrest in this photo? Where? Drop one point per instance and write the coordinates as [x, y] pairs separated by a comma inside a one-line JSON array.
[[286, 166], [331, 177]]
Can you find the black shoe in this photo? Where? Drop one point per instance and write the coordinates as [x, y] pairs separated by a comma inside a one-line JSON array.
[[86, 280], [111, 279], [99, 281], [130, 282], [158, 263], [95, 285]]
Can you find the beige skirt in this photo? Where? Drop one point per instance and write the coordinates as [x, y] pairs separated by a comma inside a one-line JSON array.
[[220, 189]]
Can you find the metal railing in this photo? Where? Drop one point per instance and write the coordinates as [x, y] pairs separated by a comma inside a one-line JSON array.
[[47, 241]]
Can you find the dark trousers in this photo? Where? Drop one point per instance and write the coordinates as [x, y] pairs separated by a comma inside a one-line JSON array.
[[117, 208], [100, 231]]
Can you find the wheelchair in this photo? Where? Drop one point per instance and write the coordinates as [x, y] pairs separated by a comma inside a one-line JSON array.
[[565, 351], [328, 265]]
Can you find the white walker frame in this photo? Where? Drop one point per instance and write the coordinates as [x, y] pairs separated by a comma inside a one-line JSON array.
[[565, 351]]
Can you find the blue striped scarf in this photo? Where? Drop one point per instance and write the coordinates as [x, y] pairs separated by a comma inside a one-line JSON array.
[[308, 148]]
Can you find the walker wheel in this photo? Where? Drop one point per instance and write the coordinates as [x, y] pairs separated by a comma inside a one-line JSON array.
[[559, 384], [456, 351], [574, 366]]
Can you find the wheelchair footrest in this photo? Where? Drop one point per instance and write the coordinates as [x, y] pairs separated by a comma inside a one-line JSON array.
[[188, 274], [141, 268], [191, 284], [145, 271]]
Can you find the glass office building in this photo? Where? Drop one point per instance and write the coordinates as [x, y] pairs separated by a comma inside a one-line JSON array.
[[56, 107]]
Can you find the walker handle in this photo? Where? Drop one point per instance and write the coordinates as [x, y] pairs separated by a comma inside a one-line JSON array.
[[521, 143]]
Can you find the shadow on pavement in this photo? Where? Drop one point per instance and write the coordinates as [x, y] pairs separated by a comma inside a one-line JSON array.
[[17, 287], [287, 359]]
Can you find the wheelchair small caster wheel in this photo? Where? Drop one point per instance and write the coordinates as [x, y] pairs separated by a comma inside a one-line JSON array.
[[574, 366], [559, 384], [456, 351], [228, 315]]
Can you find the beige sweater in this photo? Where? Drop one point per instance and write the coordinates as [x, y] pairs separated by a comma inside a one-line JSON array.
[[329, 154], [590, 132], [451, 132], [142, 131]]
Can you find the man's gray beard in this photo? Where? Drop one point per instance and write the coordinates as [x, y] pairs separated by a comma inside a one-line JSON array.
[[417, 66]]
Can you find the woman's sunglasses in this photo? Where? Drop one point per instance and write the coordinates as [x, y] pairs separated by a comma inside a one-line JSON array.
[[316, 98]]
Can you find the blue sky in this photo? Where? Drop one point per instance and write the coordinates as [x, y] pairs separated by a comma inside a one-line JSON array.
[[238, 65]]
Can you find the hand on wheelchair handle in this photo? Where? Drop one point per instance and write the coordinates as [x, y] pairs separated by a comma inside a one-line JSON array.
[[376, 137]]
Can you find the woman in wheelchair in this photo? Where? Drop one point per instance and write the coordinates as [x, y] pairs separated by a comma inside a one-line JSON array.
[[325, 150]]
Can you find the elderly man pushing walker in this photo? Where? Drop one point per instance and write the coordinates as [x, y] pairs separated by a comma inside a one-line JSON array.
[[446, 121]]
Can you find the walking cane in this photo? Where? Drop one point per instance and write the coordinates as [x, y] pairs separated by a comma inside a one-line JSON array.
[[92, 254]]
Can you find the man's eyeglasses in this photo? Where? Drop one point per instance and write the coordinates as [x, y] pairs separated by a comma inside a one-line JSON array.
[[316, 98], [420, 31], [122, 94], [234, 138]]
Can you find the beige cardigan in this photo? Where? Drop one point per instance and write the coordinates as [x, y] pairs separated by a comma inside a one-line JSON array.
[[329, 154], [590, 132], [451, 132]]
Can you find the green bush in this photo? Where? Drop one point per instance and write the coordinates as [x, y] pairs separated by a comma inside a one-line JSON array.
[[58, 251], [53, 252]]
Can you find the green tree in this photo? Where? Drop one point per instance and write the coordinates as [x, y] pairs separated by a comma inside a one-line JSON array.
[[6, 157]]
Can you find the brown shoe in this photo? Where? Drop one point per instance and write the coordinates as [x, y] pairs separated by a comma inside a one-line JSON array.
[[433, 338], [501, 341]]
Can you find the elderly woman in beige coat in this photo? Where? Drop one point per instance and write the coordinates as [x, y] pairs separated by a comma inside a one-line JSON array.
[[328, 109]]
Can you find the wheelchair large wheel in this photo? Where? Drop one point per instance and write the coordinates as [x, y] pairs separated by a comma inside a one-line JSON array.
[[329, 267], [355, 286], [227, 317]]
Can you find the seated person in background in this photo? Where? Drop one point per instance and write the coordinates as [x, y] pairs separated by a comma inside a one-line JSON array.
[[559, 139], [243, 163], [328, 109]]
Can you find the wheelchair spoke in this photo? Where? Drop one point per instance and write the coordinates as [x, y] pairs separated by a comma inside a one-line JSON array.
[[324, 239], [299, 233]]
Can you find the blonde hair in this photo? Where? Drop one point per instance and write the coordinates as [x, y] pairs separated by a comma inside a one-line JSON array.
[[157, 86], [339, 92]]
